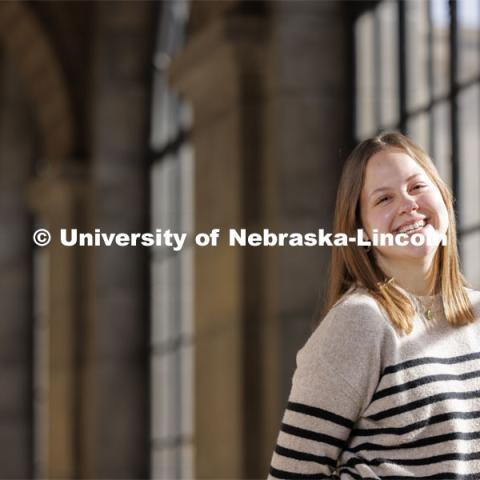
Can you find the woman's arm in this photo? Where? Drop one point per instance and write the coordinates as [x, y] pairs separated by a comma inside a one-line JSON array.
[[337, 372], [315, 427]]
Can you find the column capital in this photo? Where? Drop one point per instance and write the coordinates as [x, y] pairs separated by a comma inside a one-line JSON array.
[[216, 61]]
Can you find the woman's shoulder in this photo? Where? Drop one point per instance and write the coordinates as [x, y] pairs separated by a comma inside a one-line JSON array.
[[356, 323], [357, 310], [357, 295]]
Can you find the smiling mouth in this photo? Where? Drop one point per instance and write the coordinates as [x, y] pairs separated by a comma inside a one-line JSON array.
[[412, 227]]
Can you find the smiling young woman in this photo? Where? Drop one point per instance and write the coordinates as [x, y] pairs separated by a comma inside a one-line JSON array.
[[388, 384]]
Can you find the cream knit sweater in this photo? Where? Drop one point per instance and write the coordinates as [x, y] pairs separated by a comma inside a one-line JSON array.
[[369, 403]]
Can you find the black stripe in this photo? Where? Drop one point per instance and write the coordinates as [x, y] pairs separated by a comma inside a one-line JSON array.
[[293, 475], [390, 412], [305, 457], [444, 417], [416, 461], [425, 360], [320, 413], [311, 435], [423, 381], [418, 443]]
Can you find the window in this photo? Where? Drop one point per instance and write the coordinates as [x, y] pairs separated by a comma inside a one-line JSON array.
[[171, 174], [417, 69]]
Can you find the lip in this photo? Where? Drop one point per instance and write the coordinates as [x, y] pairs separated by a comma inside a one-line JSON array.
[[411, 221]]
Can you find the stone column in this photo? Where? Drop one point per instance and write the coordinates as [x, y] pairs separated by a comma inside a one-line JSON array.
[[117, 405], [16, 155], [220, 71], [307, 137], [58, 195]]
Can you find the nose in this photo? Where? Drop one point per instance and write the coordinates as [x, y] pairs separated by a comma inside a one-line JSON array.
[[408, 204]]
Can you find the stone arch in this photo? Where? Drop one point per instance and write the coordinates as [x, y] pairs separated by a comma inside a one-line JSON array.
[[31, 51]]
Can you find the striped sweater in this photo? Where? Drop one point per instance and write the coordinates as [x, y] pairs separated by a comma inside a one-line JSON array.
[[369, 403]]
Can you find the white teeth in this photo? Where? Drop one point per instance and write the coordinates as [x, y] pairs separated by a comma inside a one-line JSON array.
[[412, 226]]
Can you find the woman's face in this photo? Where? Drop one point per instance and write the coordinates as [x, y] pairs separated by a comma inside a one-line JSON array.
[[399, 197]]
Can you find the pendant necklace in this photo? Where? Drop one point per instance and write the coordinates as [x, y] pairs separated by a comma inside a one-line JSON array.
[[427, 310]]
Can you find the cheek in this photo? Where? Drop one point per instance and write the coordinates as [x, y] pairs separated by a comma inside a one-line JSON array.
[[377, 217], [441, 210], [381, 220]]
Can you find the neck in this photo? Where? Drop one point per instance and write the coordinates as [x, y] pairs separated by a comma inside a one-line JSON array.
[[416, 277]]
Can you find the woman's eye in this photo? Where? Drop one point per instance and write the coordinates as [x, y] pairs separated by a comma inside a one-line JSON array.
[[419, 186], [382, 199]]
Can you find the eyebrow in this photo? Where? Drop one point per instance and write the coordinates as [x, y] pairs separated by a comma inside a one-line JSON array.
[[381, 189]]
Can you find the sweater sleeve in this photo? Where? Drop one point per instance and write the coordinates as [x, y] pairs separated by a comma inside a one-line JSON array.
[[337, 372]]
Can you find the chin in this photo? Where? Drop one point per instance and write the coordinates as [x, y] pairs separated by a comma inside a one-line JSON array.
[[419, 252]]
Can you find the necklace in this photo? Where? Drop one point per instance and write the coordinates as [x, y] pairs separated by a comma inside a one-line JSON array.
[[428, 311], [423, 305], [426, 308]]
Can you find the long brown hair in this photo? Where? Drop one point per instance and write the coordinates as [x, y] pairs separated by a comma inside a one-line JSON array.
[[352, 264]]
